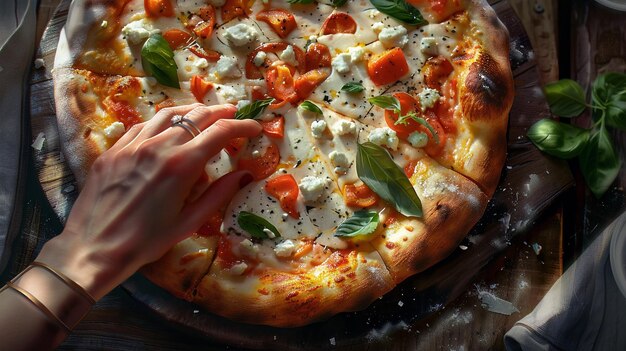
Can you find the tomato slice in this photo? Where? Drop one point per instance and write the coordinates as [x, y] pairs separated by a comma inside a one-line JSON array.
[[387, 67], [235, 146], [359, 195], [204, 28], [317, 56], [235, 9], [409, 169], [407, 104], [338, 22], [285, 189], [436, 71], [254, 72], [280, 84], [433, 148], [177, 38], [275, 127], [306, 83], [123, 111], [200, 87], [163, 104], [281, 21], [158, 8], [209, 55], [262, 166]]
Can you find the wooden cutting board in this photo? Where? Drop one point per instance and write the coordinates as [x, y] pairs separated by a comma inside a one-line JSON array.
[[530, 182]]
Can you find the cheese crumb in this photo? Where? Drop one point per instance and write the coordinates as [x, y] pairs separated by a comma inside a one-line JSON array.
[[428, 46], [270, 234], [418, 139], [238, 269], [285, 249], [344, 127], [428, 98], [104, 24], [341, 63], [249, 248], [384, 137], [241, 34], [318, 128], [340, 161], [378, 26], [289, 56], [115, 130], [226, 67], [356, 53], [393, 37], [201, 63], [231, 94], [259, 58], [312, 188], [138, 31]]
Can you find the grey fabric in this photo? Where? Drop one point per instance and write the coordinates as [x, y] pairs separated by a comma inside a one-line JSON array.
[[17, 36], [584, 310]]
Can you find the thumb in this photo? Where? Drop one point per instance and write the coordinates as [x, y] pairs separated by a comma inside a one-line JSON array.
[[215, 198]]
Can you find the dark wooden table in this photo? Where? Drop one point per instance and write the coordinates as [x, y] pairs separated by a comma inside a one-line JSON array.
[[516, 274]]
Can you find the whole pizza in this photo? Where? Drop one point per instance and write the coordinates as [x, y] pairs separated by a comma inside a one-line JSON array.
[[384, 135]]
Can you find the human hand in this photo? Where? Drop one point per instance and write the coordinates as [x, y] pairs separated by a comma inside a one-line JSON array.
[[141, 196]]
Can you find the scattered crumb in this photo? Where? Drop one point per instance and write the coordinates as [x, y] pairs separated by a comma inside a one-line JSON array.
[[492, 303], [39, 141], [196, 311], [400, 303], [463, 247], [332, 341], [39, 63], [537, 248]]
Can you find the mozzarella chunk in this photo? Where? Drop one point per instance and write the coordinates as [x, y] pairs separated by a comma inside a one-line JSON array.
[[340, 161], [428, 98], [318, 128], [226, 67], [241, 34], [393, 37], [201, 63], [138, 31], [259, 58], [418, 139], [378, 26], [341, 63], [285, 248], [312, 188], [344, 127], [428, 46], [115, 130], [238, 269], [289, 56], [384, 137]]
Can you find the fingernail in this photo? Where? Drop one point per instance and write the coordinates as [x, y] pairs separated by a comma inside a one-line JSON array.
[[245, 180]]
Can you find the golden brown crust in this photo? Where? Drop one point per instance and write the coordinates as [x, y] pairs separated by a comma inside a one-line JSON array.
[[345, 281], [451, 204], [76, 113], [184, 265]]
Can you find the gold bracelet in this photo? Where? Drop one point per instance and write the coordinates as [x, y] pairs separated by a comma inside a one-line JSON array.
[[69, 282], [40, 306]]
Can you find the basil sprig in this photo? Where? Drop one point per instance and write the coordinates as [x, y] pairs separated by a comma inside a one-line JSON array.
[[400, 10], [597, 156], [392, 104], [256, 226], [311, 107], [361, 223], [352, 87], [253, 110], [157, 59], [376, 168]]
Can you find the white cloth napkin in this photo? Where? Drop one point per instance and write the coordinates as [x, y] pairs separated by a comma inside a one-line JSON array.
[[585, 309], [17, 40]]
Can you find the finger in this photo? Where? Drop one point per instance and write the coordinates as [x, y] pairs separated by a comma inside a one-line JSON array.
[[217, 136], [163, 119], [128, 137], [200, 117], [217, 197]]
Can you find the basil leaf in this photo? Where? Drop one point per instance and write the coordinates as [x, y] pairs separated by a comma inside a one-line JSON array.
[[352, 87], [361, 223], [310, 106], [565, 98], [157, 59], [609, 93], [382, 175], [255, 225], [385, 102], [400, 10], [599, 162], [253, 110], [558, 139]]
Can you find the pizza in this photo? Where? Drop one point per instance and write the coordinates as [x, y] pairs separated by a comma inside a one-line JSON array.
[[384, 135]]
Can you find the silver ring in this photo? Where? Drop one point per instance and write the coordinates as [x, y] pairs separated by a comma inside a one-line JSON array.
[[187, 124]]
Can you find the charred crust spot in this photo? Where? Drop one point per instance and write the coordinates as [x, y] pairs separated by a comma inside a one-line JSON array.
[[488, 90], [87, 133]]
